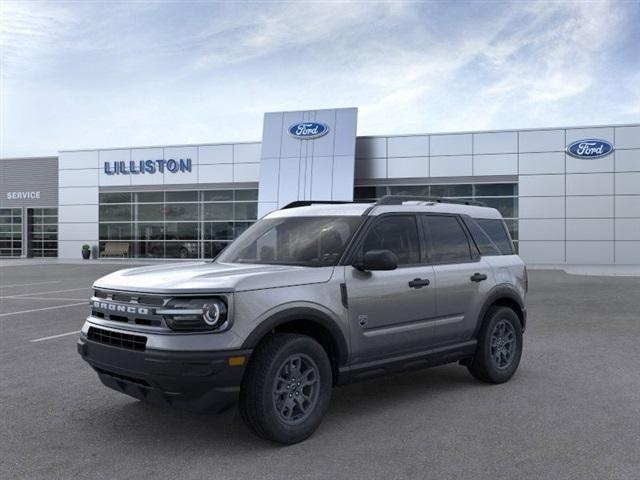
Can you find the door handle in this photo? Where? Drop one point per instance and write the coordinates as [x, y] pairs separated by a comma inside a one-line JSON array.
[[419, 283], [478, 277]]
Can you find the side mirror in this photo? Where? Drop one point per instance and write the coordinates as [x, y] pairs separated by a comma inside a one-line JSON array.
[[377, 260]]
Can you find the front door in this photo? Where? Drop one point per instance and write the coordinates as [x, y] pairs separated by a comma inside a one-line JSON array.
[[391, 312]]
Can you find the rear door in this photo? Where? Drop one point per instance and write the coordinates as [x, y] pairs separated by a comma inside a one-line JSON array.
[[462, 277], [391, 312]]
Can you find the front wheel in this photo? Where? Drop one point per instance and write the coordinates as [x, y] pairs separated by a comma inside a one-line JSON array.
[[499, 346], [287, 388]]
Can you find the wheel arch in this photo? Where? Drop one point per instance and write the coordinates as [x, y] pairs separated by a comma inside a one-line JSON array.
[[505, 296], [308, 321]]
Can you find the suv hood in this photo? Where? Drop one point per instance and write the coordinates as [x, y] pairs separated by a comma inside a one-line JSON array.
[[205, 277]]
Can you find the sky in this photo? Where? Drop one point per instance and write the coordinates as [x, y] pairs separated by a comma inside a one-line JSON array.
[[92, 74]]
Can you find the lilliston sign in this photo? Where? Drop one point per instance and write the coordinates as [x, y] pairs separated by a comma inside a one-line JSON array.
[[137, 167]]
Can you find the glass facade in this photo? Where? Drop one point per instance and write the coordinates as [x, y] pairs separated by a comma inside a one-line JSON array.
[[10, 232], [502, 196], [175, 224], [42, 226]]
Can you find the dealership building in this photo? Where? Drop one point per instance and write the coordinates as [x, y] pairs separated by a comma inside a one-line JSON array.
[[569, 195]]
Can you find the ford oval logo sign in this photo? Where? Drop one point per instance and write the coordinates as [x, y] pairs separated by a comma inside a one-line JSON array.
[[590, 148], [308, 130]]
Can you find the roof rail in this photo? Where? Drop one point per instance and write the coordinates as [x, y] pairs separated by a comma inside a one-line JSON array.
[[400, 199], [306, 203]]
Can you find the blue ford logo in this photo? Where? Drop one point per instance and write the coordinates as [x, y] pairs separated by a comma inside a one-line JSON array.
[[590, 148], [308, 130]]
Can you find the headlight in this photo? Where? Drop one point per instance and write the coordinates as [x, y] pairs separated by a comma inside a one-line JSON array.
[[195, 314]]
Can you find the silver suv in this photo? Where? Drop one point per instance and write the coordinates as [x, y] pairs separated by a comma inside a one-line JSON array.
[[312, 296]]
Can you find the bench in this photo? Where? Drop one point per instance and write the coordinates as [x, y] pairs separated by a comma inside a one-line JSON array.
[[116, 249]]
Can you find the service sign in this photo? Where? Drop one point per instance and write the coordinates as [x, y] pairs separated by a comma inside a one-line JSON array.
[[590, 149], [308, 130]]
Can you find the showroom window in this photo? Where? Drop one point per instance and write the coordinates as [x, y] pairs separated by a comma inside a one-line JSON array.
[[43, 232], [175, 224], [10, 232], [502, 196]]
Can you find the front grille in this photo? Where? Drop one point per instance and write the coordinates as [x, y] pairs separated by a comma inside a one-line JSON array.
[[126, 378], [117, 339]]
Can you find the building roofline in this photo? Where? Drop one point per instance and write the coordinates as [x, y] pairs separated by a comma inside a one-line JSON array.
[[464, 132], [47, 157]]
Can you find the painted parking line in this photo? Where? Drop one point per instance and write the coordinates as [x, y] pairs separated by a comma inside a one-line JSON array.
[[75, 332], [51, 291], [45, 308], [43, 298], [27, 284]]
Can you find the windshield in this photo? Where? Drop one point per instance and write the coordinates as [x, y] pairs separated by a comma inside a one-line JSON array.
[[305, 241]]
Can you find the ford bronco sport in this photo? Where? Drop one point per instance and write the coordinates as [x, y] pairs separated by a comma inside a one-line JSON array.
[[312, 296]]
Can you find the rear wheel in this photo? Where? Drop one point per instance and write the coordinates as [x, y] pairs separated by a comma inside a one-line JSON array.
[[287, 388], [499, 346]]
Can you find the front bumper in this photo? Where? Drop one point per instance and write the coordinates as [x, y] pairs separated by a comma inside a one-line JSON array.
[[196, 381]]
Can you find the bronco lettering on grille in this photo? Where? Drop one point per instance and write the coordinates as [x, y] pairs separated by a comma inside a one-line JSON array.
[[114, 307]]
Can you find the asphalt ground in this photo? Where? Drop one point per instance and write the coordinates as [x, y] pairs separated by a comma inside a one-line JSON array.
[[571, 412]]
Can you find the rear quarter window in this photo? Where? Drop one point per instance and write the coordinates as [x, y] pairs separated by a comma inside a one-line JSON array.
[[497, 232]]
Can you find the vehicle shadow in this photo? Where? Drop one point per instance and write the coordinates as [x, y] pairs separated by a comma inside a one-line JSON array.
[[139, 422]]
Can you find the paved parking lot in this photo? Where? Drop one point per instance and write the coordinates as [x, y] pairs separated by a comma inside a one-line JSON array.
[[571, 412]]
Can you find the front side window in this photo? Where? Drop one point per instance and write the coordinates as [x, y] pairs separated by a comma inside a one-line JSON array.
[[397, 233], [446, 239], [304, 241]]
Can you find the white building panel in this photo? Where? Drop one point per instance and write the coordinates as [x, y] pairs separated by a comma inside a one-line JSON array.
[[78, 196], [179, 177], [540, 163], [293, 147], [604, 133], [627, 160], [269, 175], [452, 166], [628, 253], [628, 183], [108, 157], [408, 167], [582, 165], [77, 214], [541, 207], [321, 177], [589, 229], [345, 138], [272, 128], [371, 168], [371, 147], [457, 144], [78, 178], [498, 142], [85, 159], [590, 184], [222, 173], [541, 229], [628, 137], [590, 207], [342, 169], [292, 182], [413, 146], [585, 253], [541, 141], [246, 153], [541, 185], [208, 154], [628, 229], [323, 146], [541, 253], [246, 172], [78, 231], [266, 207], [505, 164], [628, 206], [73, 248]]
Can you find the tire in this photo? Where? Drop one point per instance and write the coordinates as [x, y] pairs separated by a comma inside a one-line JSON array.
[[499, 346], [272, 368]]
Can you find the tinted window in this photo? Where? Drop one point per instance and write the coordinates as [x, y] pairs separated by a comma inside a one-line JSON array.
[[482, 239], [446, 239], [398, 233], [498, 233]]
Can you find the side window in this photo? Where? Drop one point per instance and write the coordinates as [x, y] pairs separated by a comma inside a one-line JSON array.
[[398, 233], [446, 239], [497, 231], [482, 239]]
